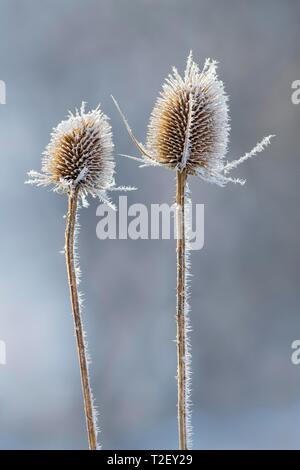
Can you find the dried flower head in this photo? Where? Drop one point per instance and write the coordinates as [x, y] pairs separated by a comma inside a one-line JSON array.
[[189, 126], [79, 156], [79, 161]]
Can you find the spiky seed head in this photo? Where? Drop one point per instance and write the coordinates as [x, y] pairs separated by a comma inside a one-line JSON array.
[[189, 125], [79, 155]]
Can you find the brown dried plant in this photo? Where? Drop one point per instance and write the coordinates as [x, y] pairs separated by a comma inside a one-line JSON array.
[[79, 161], [188, 132]]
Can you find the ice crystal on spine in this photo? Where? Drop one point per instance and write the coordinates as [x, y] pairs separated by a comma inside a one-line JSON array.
[[189, 126], [79, 156]]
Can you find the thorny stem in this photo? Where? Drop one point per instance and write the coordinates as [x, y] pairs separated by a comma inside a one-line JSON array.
[[69, 250], [180, 311]]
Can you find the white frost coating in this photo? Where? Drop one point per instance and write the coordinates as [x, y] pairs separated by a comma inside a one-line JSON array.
[[257, 149], [81, 175], [187, 142], [188, 328], [95, 412]]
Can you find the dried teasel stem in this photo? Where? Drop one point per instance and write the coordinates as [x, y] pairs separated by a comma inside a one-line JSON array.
[[78, 162], [188, 132], [70, 261], [181, 177]]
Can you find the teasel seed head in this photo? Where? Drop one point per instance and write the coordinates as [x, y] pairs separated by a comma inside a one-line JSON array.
[[189, 126], [79, 156]]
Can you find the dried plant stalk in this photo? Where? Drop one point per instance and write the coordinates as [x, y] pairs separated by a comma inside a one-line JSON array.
[[78, 162], [180, 310], [188, 132], [82, 355]]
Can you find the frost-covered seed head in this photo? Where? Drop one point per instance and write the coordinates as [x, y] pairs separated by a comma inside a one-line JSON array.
[[189, 126], [79, 155]]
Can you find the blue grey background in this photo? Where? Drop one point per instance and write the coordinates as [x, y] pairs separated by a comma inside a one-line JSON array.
[[245, 285]]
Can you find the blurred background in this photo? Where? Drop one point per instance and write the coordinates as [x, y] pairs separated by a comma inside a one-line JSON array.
[[245, 286]]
